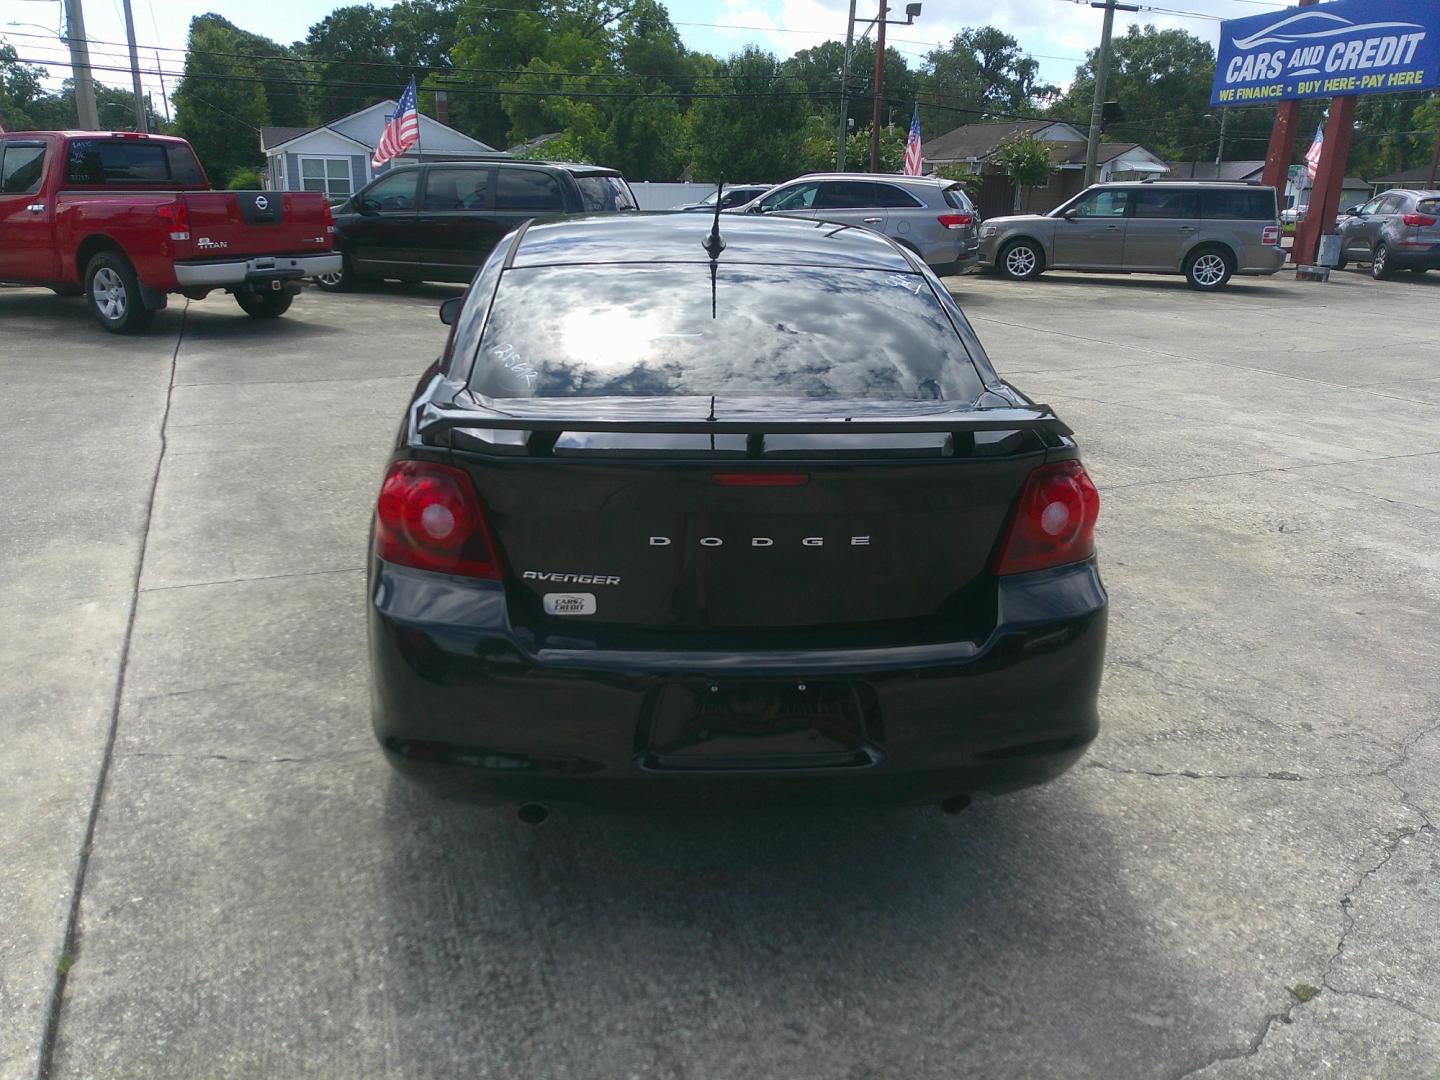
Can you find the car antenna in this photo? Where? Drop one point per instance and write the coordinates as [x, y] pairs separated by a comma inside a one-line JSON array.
[[715, 243]]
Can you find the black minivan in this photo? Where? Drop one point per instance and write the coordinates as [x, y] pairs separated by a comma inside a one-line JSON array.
[[438, 222]]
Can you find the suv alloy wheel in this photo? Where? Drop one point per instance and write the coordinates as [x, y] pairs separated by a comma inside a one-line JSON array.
[[1380, 263], [1022, 261], [1208, 268]]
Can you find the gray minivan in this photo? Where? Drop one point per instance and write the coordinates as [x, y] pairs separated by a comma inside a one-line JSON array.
[[1206, 231]]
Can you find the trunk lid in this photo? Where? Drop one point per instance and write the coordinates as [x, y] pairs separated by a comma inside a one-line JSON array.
[[693, 533], [670, 548], [243, 224]]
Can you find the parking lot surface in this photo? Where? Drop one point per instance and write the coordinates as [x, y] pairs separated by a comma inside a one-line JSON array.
[[1239, 880]]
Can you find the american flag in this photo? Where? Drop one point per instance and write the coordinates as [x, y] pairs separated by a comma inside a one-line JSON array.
[[402, 129], [1312, 156], [914, 162]]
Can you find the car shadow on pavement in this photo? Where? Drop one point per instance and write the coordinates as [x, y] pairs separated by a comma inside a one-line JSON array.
[[814, 942], [1150, 282]]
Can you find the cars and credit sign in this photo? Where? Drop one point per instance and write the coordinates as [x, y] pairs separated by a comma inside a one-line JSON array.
[[1329, 50]]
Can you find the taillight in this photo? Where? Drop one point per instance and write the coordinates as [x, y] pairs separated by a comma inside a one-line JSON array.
[[1420, 220], [429, 517], [177, 218], [1270, 235], [328, 218], [1055, 521], [956, 221]]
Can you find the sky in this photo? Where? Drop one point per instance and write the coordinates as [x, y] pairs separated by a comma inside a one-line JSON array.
[[1055, 32]]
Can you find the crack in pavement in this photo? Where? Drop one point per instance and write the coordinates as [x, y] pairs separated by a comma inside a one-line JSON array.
[[1186, 774], [71, 947], [344, 755], [1347, 902]]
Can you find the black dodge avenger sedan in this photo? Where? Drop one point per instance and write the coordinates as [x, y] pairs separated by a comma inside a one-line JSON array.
[[727, 517]]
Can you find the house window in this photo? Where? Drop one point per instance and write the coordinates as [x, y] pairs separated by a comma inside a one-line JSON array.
[[328, 175]]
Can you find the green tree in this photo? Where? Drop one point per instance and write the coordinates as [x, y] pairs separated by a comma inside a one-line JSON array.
[[243, 180], [116, 108], [751, 128], [1026, 161], [21, 91], [361, 54], [1161, 81], [818, 69], [220, 104], [981, 75], [892, 149]]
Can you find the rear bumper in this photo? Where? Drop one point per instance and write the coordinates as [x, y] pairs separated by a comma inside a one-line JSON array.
[[212, 275], [463, 705], [951, 256], [1412, 255], [1264, 261]]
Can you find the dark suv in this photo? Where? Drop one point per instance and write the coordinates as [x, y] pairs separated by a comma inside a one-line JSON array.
[[438, 222]]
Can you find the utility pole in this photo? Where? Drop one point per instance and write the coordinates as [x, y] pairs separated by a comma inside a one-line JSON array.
[[1102, 75], [912, 11], [845, 89], [164, 94], [87, 115], [1434, 161], [1220, 150], [141, 121], [879, 88]]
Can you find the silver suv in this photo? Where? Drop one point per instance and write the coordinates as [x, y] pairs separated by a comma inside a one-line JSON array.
[[931, 217], [1399, 230], [1205, 231]]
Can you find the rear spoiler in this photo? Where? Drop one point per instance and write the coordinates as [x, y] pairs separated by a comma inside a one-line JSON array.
[[434, 419]]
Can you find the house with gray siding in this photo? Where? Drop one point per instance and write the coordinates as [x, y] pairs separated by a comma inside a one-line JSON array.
[[334, 158]]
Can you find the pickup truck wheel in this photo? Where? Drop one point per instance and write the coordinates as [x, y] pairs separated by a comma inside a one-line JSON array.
[[1208, 268], [114, 293], [264, 305]]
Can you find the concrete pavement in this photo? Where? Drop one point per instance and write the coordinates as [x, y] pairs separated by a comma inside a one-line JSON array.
[[1238, 880]]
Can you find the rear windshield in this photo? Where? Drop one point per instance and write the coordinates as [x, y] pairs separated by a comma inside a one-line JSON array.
[[604, 193], [1238, 203], [95, 162], [1428, 206], [955, 196], [779, 332]]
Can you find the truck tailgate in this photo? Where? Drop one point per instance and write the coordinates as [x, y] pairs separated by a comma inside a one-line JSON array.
[[227, 224]]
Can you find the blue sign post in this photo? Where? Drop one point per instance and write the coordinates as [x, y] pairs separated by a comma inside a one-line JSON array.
[[1329, 50]]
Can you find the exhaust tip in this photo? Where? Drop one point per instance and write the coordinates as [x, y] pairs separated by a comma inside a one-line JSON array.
[[955, 804], [532, 813]]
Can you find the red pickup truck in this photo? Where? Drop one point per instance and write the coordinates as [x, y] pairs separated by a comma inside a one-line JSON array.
[[126, 219]]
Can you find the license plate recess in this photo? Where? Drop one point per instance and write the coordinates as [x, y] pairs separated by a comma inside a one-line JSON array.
[[760, 724]]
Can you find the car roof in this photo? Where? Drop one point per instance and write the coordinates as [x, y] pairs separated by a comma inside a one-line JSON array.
[[118, 136], [1226, 184], [677, 238], [490, 163], [891, 178]]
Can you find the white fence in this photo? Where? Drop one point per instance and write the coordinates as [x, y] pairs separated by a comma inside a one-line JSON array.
[[664, 196]]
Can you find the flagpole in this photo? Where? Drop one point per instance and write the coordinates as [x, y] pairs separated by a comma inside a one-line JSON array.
[[419, 144]]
